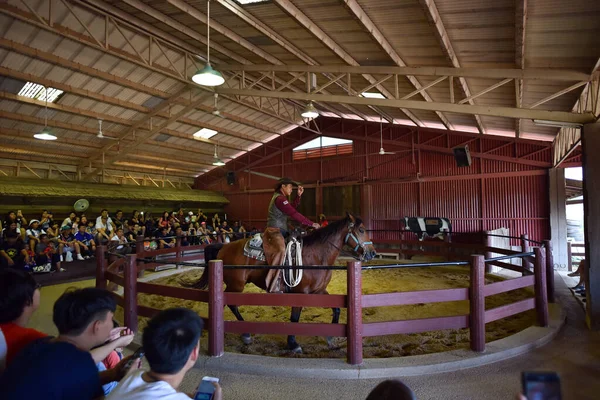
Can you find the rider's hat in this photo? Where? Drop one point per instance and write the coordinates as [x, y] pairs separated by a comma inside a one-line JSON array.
[[285, 181]]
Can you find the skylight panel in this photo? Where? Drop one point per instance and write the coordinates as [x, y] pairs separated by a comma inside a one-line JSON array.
[[372, 95], [36, 91], [205, 133]]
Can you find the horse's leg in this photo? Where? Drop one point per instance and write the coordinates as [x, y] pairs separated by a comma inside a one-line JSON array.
[[246, 338], [334, 320], [292, 344], [237, 288]]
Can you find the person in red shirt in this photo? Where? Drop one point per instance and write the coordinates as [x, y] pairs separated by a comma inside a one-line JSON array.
[[19, 298], [323, 221], [279, 213]]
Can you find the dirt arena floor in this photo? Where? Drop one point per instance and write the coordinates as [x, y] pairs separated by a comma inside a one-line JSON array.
[[374, 281]]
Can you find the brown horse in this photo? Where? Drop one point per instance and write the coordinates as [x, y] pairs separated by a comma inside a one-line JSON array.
[[320, 247]]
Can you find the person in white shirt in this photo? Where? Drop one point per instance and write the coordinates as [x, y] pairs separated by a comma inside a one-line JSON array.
[[104, 229], [118, 242], [171, 343], [70, 220], [33, 233], [109, 222]]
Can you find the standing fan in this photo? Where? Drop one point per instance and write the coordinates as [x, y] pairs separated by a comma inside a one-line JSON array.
[[81, 205]]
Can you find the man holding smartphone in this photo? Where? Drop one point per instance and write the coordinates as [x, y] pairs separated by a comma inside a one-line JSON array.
[[171, 343]]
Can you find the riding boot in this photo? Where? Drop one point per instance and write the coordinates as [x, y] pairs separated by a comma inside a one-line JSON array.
[[275, 286]]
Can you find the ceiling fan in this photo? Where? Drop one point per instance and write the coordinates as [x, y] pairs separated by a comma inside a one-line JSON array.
[[216, 110], [100, 135], [381, 151]]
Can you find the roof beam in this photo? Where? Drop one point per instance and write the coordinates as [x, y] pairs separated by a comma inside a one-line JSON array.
[[387, 47], [153, 130], [559, 116], [520, 31], [434, 16], [545, 74], [299, 16]]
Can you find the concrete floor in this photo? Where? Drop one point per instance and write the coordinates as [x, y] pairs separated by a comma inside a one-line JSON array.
[[574, 354]]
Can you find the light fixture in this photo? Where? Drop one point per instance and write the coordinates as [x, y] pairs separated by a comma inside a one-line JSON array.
[[44, 134], [556, 124], [205, 133], [208, 76], [372, 95], [310, 111], [218, 162]]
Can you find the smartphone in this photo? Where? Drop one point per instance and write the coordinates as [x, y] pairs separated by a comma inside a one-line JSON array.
[[139, 354], [541, 385], [206, 390]]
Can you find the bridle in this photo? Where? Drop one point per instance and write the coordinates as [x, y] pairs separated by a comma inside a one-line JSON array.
[[357, 242]]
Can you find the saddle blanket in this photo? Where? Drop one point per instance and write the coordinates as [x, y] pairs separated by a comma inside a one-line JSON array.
[[254, 248]]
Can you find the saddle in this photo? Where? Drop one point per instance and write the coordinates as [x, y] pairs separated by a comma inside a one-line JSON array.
[[254, 248]]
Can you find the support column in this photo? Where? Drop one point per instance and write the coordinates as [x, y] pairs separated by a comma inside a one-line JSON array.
[[558, 217], [365, 205], [590, 143]]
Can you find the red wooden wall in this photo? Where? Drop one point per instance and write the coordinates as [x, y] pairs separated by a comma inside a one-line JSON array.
[[506, 185]]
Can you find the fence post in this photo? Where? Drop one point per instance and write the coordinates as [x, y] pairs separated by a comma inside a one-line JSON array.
[[402, 255], [448, 245], [541, 294], [525, 249], [100, 267], [354, 328], [549, 270], [569, 257], [477, 303], [216, 325], [130, 292], [139, 252], [488, 254], [178, 252]]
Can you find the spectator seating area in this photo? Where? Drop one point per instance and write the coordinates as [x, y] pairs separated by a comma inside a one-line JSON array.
[[47, 243]]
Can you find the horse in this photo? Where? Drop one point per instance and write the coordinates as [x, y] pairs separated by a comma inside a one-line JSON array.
[[320, 247]]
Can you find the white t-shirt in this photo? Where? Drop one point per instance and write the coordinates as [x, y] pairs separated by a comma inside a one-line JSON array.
[[100, 225], [35, 232], [133, 387]]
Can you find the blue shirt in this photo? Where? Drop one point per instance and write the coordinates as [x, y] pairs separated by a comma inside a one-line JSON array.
[[84, 238], [51, 371]]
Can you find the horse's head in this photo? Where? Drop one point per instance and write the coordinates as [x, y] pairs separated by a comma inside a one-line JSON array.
[[357, 239]]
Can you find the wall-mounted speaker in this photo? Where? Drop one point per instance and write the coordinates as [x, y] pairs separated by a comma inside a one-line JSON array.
[[230, 178], [462, 156]]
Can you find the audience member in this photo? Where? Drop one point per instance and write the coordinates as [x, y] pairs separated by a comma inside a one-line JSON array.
[[47, 255], [391, 389], [62, 368], [182, 235], [46, 220], [164, 240], [19, 298], [323, 221], [119, 243], [70, 220], [67, 245], [171, 343], [163, 221], [12, 251], [33, 233], [118, 220], [104, 229], [85, 241], [226, 232]]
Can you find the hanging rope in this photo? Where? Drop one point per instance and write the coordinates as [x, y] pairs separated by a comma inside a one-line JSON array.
[[292, 277]]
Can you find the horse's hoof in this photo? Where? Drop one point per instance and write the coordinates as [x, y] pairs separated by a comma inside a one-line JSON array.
[[246, 338], [330, 343], [297, 350]]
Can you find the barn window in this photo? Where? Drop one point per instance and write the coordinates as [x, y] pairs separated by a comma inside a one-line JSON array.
[[323, 146]]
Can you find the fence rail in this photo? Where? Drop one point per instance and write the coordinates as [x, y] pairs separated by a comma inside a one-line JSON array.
[[354, 301]]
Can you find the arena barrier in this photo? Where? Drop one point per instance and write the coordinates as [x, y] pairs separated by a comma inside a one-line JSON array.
[[540, 276]]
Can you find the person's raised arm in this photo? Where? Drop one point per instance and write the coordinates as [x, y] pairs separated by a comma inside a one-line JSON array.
[[284, 205]]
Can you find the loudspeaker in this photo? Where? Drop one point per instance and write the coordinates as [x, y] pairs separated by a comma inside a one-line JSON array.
[[462, 156], [231, 178]]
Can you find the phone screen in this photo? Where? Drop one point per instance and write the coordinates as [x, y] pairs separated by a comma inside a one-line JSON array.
[[205, 390], [541, 386]]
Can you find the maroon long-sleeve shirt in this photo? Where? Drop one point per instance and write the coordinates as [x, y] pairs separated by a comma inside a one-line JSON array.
[[284, 205]]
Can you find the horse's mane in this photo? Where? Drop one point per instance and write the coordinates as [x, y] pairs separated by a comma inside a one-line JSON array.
[[323, 234]]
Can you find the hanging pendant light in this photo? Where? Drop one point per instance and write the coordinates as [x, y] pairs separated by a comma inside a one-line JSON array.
[[45, 133], [218, 162], [310, 111], [208, 76]]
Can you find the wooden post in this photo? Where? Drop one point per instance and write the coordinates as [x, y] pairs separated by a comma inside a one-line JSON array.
[[488, 254], [448, 245], [216, 325], [402, 247], [549, 270], [354, 328], [139, 253], [477, 303], [130, 292], [525, 249], [569, 257], [541, 294], [178, 254], [100, 267]]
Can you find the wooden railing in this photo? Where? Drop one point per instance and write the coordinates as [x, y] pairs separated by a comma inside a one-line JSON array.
[[354, 301], [571, 254]]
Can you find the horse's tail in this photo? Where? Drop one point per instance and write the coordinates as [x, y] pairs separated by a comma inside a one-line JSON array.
[[211, 252]]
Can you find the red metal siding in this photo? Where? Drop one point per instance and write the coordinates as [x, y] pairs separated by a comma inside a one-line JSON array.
[[422, 179]]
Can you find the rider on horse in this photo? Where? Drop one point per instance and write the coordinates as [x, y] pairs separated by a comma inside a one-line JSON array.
[[280, 211]]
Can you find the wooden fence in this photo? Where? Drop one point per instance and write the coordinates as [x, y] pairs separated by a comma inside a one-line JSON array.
[[571, 253], [540, 277]]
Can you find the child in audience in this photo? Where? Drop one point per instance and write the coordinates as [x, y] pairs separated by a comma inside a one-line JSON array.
[[86, 242], [33, 233]]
